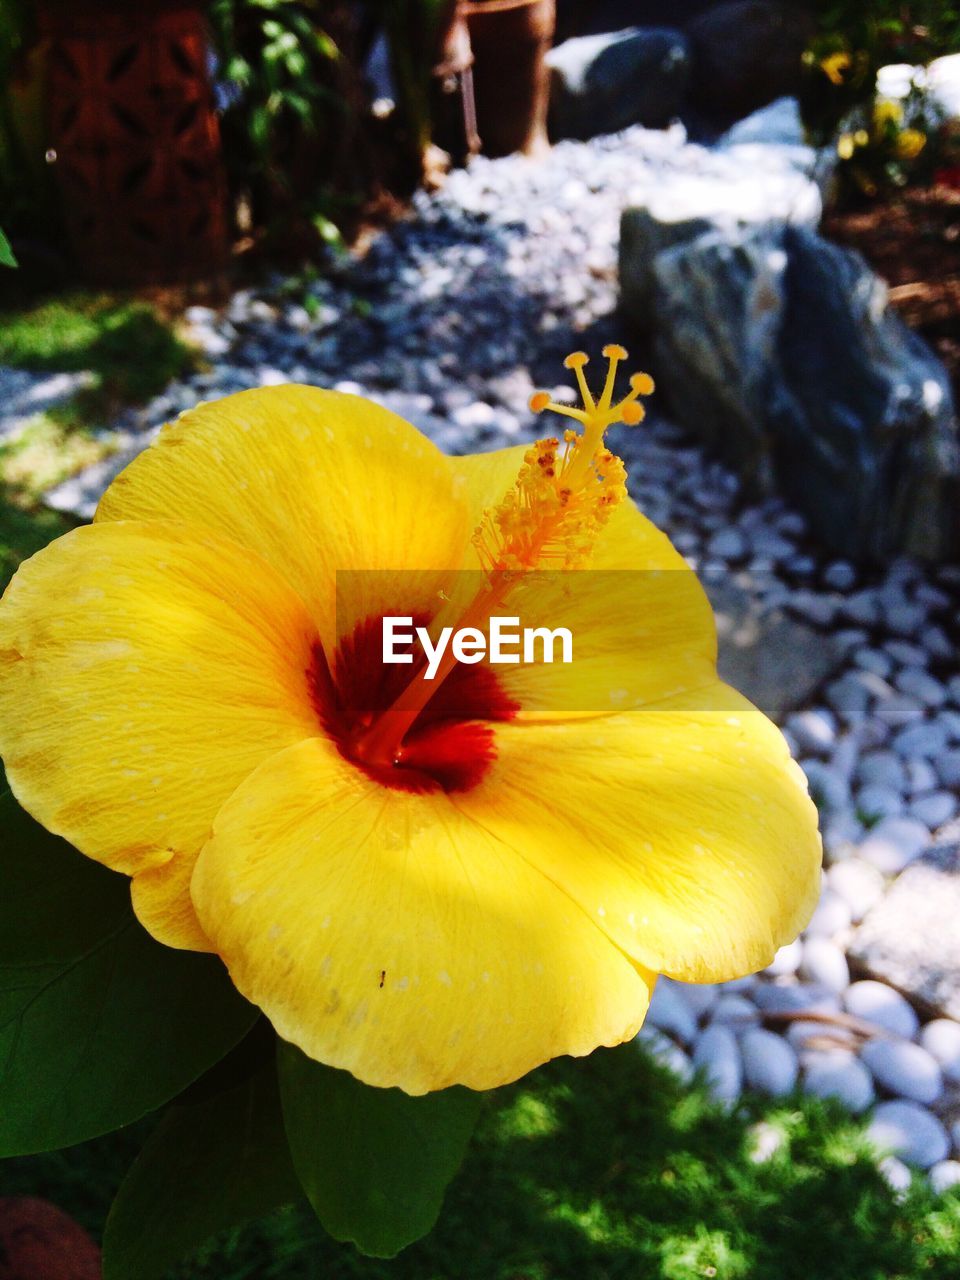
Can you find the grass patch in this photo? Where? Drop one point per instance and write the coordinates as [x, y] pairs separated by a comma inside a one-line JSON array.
[[24, 529], [47, 451], [131, 351], [605, 1169]]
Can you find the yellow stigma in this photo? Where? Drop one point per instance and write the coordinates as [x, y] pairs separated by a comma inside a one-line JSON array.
[[565, 493]]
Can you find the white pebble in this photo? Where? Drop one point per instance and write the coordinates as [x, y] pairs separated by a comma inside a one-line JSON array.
[[895, 1174], [908, 1130], [671, 1013], [831, 916], [904, 1068], [944, 1175], [894, 842], [825, 963], [877, 1003], [717, 1054], [810, 1035], [941, 1039], [785, 962], [813, 731], [837, 1073], [858, 883], [769, 1063]]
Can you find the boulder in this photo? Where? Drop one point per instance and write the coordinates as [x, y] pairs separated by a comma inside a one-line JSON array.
[[602, 83], [862, 411], [745, 54], [759, 172], [779, 349]]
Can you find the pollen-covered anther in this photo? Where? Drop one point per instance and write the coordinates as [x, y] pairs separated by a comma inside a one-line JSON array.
[[564, 494]]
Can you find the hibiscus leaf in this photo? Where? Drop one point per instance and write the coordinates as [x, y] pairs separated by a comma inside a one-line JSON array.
[[99, 1024], [375, 1163], [6, 253], [215, 1160]]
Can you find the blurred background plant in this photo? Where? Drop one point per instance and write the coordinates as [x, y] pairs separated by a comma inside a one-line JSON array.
[[883, 142]]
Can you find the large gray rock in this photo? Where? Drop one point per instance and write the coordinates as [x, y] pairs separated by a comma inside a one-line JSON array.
[[719, 304], [779, 349], [603, 83], [749, 179], [862, 411], [911, 938]]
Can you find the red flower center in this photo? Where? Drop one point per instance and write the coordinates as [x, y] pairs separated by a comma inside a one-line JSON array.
[[449, 746]]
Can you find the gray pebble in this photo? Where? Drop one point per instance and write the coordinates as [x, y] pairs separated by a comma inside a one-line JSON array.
[[700, 996], [882, 769], [874, 802], [947, 765], [908, 655], [921, 685], [717, 1054], [670, 1012], [734, 1011], [921, 776], [877, 1003], [908, 1130], [797, 997], [904, 1068], [837, 1073], [927, 738], [769, 1063], [830, 790], [934, 809], [840, 576], [666, 1052], [899, 710], [875, 660]]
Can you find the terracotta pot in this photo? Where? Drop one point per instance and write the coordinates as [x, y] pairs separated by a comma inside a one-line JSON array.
[[133, 138], [510, 39]]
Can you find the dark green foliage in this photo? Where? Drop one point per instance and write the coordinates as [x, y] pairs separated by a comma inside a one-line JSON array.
[[99, 1024], [605, 1169], [374, 1163]]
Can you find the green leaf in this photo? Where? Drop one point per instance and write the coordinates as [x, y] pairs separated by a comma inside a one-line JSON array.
[[99, 1024], [6, 253], [215, 1161], [375, 1163]]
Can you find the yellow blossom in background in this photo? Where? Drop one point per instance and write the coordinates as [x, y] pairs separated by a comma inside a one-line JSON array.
[[910, 142], [424, 885], [835, 65]]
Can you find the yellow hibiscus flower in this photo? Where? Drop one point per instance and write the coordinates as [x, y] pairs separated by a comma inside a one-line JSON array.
[[424, 885]]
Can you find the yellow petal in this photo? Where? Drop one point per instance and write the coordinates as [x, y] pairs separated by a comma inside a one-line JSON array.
[[384, 933], [685, 830], [146, 670], [314, 482], [641, 624]]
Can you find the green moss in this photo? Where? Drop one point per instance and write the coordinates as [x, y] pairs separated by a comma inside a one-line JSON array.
[[606, 1169]]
